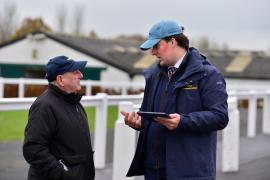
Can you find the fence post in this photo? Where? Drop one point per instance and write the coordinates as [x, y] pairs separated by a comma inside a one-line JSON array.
[[230, 139], [100, 131], [124, 90], [88, 88], [1, 87], [21, 87], [124, 144], [252, 110], [266, 113]]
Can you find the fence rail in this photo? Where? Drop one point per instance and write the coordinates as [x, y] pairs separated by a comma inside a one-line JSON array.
[[123, 86], [89, 84]]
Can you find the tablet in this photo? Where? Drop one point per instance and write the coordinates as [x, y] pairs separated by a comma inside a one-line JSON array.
[[151, 115]]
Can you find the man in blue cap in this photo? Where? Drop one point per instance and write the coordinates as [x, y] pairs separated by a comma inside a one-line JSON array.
[[186, 86], [57, 142]]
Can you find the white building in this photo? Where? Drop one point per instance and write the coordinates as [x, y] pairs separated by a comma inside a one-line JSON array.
[[120, 60]]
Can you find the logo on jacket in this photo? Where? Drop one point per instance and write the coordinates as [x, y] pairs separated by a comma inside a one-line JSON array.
[[190, 87]]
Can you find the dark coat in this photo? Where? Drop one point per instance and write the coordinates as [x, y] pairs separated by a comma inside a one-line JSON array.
[[200, 97], [57, 129]]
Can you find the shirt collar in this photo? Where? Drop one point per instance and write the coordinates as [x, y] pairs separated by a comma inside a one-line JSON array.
[[178, 63]]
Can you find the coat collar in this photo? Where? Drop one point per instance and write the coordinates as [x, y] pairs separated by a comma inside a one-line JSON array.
[[193, 63], [72, 98], [192, 68]]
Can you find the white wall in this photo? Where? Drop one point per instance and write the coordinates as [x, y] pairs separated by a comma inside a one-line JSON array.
[[21, 52], [138, 78], [113, 74]]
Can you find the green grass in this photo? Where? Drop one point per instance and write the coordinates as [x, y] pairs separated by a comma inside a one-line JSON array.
[[112, 116], [12, 123]]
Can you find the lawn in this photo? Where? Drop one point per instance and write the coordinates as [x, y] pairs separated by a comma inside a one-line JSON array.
[[12, 123]]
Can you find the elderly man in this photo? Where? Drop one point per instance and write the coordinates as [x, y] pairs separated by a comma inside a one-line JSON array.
[[57, 142]]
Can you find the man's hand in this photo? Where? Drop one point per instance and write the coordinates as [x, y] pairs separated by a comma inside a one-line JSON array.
[[132, 119], [170, 123]]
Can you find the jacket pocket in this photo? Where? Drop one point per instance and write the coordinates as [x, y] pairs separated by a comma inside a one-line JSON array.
[[79, 166], [35, 174], [76, 172]]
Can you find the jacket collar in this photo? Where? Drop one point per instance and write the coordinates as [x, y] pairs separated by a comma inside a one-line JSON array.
[[72, 98], [192, 64]]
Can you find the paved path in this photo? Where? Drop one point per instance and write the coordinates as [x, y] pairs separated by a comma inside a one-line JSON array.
[[254, 161]]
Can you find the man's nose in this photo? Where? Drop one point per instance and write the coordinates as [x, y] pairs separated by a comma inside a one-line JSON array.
[[80, 74]]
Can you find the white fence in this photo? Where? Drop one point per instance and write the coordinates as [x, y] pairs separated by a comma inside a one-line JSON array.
[[21, 82], [102, 101], [252, 97], [230, 139], [122, 86]]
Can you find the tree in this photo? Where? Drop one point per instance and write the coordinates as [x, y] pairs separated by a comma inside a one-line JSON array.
[[78, 19], [204, 44], [8, 21], [93, 34], [61, 18], [30, 25], [214, 46], [225, 47]]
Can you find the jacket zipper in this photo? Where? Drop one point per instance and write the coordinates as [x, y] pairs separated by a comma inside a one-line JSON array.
[[77, 109], [79, 117], [161, 108]]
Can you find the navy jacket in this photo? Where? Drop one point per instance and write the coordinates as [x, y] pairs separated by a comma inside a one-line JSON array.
[[200, 97]]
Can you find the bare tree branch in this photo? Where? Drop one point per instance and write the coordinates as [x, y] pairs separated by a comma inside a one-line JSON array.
[[204, 44], [78, 19], [8, 21], [61, 13]]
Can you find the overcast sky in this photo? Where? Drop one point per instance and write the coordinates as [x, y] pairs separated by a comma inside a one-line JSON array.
[[242, 24]]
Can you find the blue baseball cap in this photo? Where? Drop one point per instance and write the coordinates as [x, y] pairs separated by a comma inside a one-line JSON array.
[[60, 65], [159, 31]]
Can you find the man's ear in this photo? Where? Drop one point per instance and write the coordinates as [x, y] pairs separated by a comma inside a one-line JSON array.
[[174, 42], [59, 80]]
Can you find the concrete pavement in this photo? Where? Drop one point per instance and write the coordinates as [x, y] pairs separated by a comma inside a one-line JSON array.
[[254, 161]]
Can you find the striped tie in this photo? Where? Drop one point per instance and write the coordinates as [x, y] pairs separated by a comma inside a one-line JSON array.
[[171, 71]]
